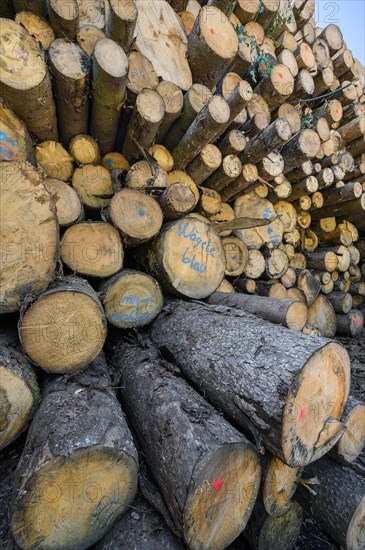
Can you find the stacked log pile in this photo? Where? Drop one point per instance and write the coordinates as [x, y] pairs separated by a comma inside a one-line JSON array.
[[155, 155]]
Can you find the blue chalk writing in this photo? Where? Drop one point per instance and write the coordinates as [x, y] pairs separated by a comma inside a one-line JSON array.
[[193, 263], [187, 231]]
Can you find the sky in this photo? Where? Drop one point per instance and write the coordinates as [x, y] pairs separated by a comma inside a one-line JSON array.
[[349, 15]]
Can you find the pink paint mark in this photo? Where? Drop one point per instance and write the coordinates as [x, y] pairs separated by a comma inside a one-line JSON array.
[[212, 31], [357, 321], [301, 413], [217, 484], [20, 53], [281, 75]]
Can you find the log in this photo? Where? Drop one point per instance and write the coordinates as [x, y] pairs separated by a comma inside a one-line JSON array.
[[271, 166], [69, 209], [137, 216], [340, 513], [97, 466], [277, 86], [187, 258], [147, 116], [142, 175], [287, 58], [163, 156], [228, 172], [350, 324], [84, 149], [177, 201], [29, 235], [280, 484], [279, 416], [142, 527], [194, 100], [55, 160], [65, 328], [92, 12], [207, 162], [70, 68], [307, 283], [24, 79], [167, 48], [232, 143], [207, 459], [303, 146], [121, 22], [322, 317], [333, 36], [265, 531], [16, 143], [248, 176], [37, 26], [248, 286], [321, 54], [177, 176], [225, 286], [288, 313], [93, 249], [352, 442], [36, 6], [226, 214], [341, 302], [109, 80], [19, 395], [141, 74], [173, 100], [323, 260], [209, 202], [92, 184], [131, 299], [272, 137], [276, 262], [236, 255], [213, 44], [206, 128], [64, 18], [87, 37]]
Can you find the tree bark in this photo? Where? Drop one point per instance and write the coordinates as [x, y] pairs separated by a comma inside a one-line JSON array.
[[277, 412], [195, 456], [121, 23], [79, 445], [64, 18]]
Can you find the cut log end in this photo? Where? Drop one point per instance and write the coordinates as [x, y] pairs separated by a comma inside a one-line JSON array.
[[215, 513], [353, 440], [356, 530], [296, 316], [46, 516], [279, 486], [307, 436]]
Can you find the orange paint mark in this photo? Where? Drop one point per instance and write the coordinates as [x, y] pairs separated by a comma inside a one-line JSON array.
[[280, 75], [217, 484], [301, 413], [212, 31]]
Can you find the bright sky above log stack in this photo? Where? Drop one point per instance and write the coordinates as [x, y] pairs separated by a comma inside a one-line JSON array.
[[349, 15]]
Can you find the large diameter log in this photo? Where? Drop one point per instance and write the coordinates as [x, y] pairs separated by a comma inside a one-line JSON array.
[[303, 146], [213, 44], [266, 141], [288, 313], [322, 317], [70, 68], [142, 527], [333, 36], [94, 249], [29, 235], [206, 128], [65, 328], [142, 129], [278, 404], [64, 18], [200, 461], [187, 258], [109, 80], [16, 143], [131, 299], [76, 476], [19, 394], [24, 79], [121, 22], [137, 216], [341, 513]]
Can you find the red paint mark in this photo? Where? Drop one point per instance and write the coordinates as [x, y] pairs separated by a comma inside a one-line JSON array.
[[217, 484], [212, 31], [301, 413], [281, 75], [357, 321]]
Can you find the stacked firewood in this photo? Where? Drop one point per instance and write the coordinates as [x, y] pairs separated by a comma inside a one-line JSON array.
[[208, 151]]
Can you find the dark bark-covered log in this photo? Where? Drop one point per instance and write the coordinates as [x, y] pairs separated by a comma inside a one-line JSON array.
[[351, 443], [246, 385], [70, 68], [140, 528], [64, 18], [19, 394], [309, 285], [64, 329], [121, 23], [303, 146], [266, 141], [337, 502], [197, 459], [78, 471], [350, 324], [288, 313], [187, 258], [9, 458], [131, 299], [29, 235]]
